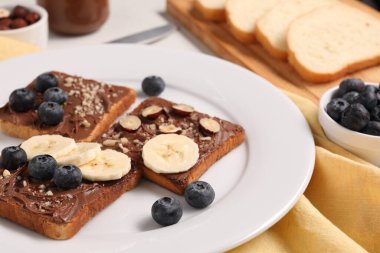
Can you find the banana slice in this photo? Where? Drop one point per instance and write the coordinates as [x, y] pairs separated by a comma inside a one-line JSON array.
[[170, 153], [84, 152], [108, 165], [54, 145]]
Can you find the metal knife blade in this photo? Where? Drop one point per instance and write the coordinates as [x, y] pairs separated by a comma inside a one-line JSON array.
[[148, 36]]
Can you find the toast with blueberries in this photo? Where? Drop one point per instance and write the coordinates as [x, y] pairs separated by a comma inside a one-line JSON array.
[[58, 103], [172, 143], [54, 186]]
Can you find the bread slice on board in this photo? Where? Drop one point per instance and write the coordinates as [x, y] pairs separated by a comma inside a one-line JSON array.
[[242, 16], [213, 10], [273, 26], [332, 41]]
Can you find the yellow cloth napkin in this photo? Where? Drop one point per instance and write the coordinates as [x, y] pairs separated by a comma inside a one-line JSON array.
[[340, 211], [11, 48]]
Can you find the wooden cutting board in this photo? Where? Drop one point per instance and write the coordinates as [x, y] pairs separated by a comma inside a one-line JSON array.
[[217, 37]]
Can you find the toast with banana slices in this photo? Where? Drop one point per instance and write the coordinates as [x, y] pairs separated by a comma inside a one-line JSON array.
[[84, 181], [172, 143], [58, 103]]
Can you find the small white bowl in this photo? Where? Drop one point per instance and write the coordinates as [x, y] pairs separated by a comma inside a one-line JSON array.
[[35, 34], [363, 145]]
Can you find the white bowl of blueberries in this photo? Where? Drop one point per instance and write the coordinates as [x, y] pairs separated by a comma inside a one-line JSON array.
[[350, 116]]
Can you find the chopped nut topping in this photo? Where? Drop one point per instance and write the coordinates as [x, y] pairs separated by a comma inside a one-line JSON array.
[[1, 177], [110, 143], [169, 128], [6, 173], [85, 123], [42, 186], [24, 183], [123, 149], [18, 178], [124, 141], [116, 136], [207, 138], [49, 193]]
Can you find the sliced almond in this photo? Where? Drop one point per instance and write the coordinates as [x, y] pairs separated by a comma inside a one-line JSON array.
[[152, 112], [169, 128], [182, 109], [130, 122], [209, 125]]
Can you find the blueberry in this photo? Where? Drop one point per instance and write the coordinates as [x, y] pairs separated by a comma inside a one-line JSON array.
[[373, 128], [378, 97], [45, 81], [351, 97], [368, 99], [50, 113], [375, 113], [13, 157], [199, 194], [167, 211], [42, 167], [355, 117], [370, 88], [67, 177], [153, 85], [55, 94], [22, 100], [351, 85], [336, 107]]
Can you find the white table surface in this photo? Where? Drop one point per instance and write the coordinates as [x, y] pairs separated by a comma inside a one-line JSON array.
[[128, 17]]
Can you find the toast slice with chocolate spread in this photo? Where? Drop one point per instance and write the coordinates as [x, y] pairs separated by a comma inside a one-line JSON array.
[[90, 109], [58, 214], [214, 137]]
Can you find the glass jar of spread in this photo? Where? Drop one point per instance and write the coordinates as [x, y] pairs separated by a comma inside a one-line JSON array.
[[76, 17]]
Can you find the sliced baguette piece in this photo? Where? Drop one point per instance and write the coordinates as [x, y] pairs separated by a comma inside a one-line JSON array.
[[332, 41], [273, 26], [213, 10], [242, 16]]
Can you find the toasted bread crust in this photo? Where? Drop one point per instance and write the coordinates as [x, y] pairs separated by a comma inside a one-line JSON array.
[[210, 14], [25, 132], [46, 226], [264, 41], [323, 78], [197, 171]]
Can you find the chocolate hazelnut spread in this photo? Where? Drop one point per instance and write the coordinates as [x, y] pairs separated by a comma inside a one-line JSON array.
[[189, 126], [76, 17], [88, 102], [44, 198]]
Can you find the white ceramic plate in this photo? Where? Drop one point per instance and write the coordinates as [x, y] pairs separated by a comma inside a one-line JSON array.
[[255, 184]]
